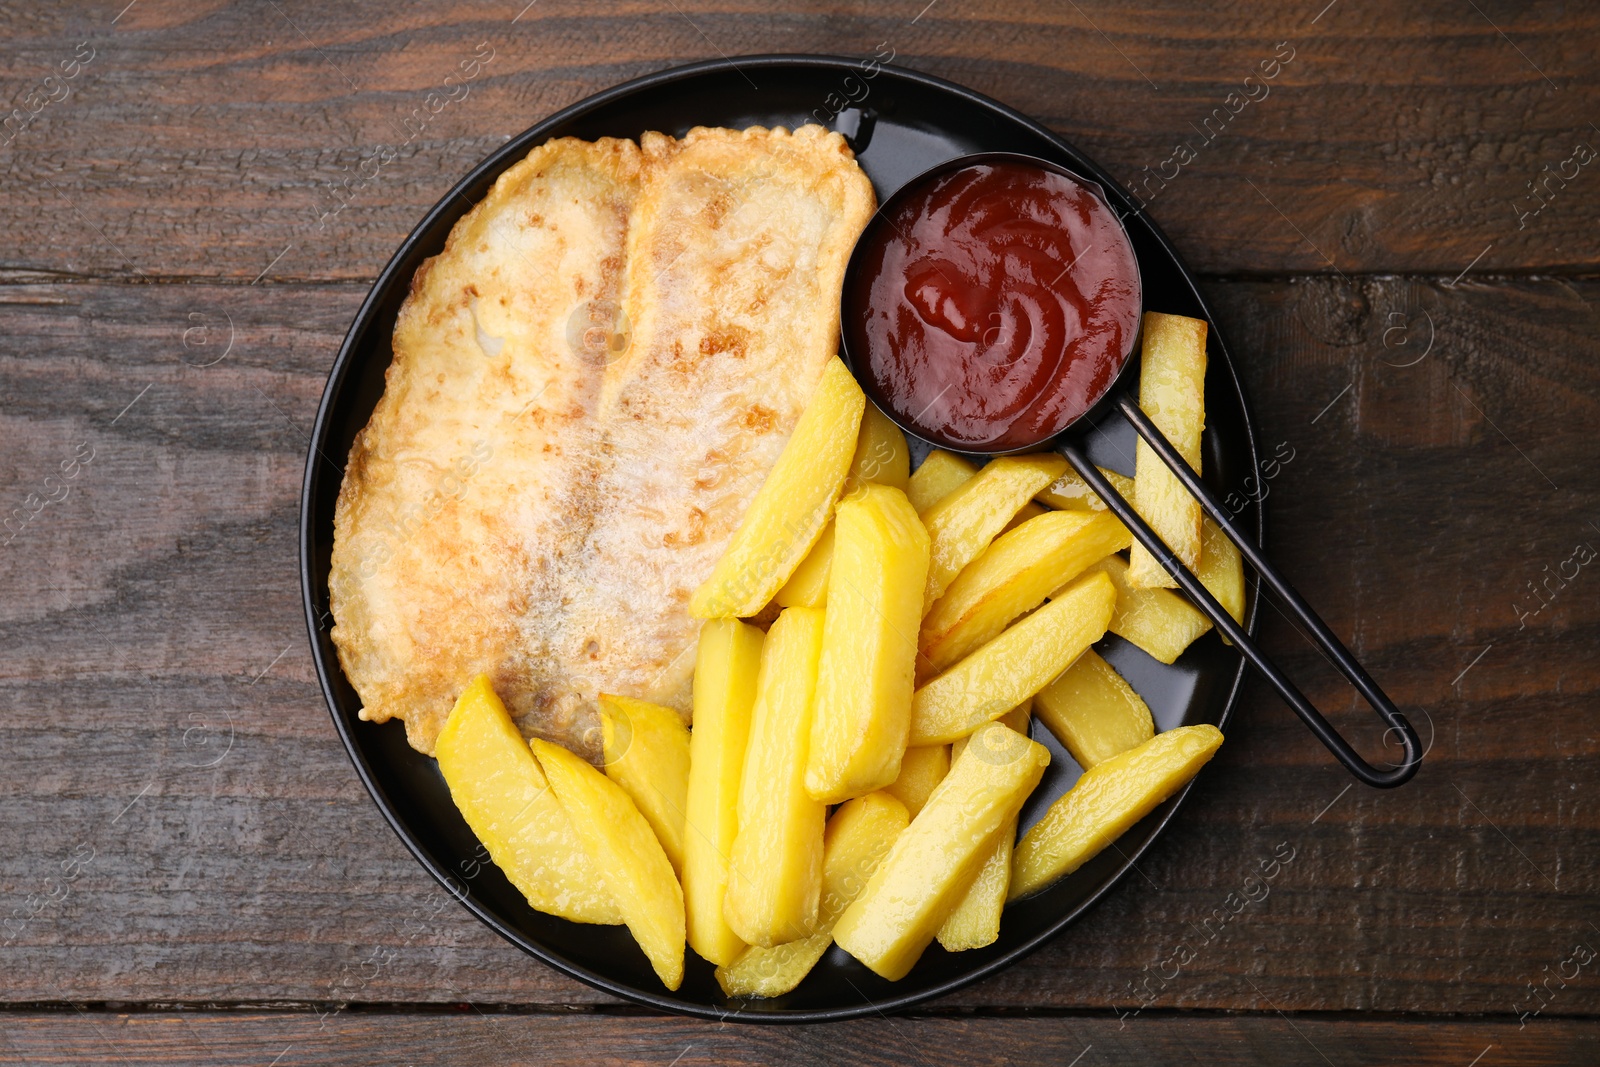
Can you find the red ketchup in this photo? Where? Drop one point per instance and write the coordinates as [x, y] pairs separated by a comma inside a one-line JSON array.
[[993, 305]]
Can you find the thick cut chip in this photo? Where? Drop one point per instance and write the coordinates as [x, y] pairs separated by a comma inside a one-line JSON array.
[[881, 453], [881, 457], [858, 836], [1094, 712], [589, 385], [625, 852], [788, 514], [1014, 666], [647, 754], [1172, 391], [1221, 569], [775, 868], [503, 795], [936, 859], [1105, 802], [1071, 493], [1015, 575], [975, 922], [941, 474], [807, 587], [963, 523], [1157, 620], [1030, 510], [869, 649], [724, 693], [921, 771]]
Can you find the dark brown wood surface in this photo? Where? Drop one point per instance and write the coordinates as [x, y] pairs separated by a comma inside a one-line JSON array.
[[188, 864]]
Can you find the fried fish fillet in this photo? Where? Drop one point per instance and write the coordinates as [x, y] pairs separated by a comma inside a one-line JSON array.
[[537, 505]]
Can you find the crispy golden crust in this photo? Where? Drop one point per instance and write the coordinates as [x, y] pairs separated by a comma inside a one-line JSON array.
[[533, 505]]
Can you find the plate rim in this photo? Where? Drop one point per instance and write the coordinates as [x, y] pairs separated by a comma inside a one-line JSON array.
[[515, 148]]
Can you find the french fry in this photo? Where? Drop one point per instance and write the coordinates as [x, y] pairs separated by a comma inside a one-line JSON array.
[[1108, 799], [725, 673], [1071, 493], [792, 506], [1157, 620], [881, 453], [962, 524], [975, 922], [1172, 381], [858, 836], [1014, 666], [1221, 569], [625, 852], [869, 648], [646, 748], [775, 868], [807, 587], [921, 771], [1094, 712], [941, 474], [506, 800], [936, 859], [1014, 575]]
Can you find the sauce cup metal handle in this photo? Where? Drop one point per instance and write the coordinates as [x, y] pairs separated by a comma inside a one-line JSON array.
[[1322, 636]]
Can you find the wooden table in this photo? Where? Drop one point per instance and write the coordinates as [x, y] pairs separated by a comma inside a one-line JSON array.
[[1398, 233]]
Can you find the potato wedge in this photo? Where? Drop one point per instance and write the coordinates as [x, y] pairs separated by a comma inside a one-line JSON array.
[[922, 769], [646, 751], [1172, 391], [725, 673], [1108, 799], [936, 859], [1071, 493], [881, 453], [1014, 666], [807, 587], [1157, 620], [1221, 569], [792, 506], [857, 838], [975, 922], [869, 646], [962, 524], [504, 797], [1094, 712], [941, 474], [625, 852], [1015, 575], [775, 866]]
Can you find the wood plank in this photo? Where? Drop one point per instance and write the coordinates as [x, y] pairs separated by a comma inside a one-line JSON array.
[[220, 1039], [160, 707], [212, 141]]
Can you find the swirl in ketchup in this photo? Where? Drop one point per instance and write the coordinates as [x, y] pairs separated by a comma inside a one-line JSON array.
[[993, 305]]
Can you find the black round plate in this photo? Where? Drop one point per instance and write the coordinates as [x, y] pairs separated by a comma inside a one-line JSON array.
[[901, 123]]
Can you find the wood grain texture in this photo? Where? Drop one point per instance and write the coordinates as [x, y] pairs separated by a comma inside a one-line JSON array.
[[471, 1037], [209, 140], [161, 716], [179, 825]]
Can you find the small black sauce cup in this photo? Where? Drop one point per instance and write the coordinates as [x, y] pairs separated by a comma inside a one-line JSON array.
[[1116, 395], [852, 316]]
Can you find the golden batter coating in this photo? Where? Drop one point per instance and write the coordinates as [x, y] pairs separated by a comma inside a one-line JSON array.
[[589, 385]]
